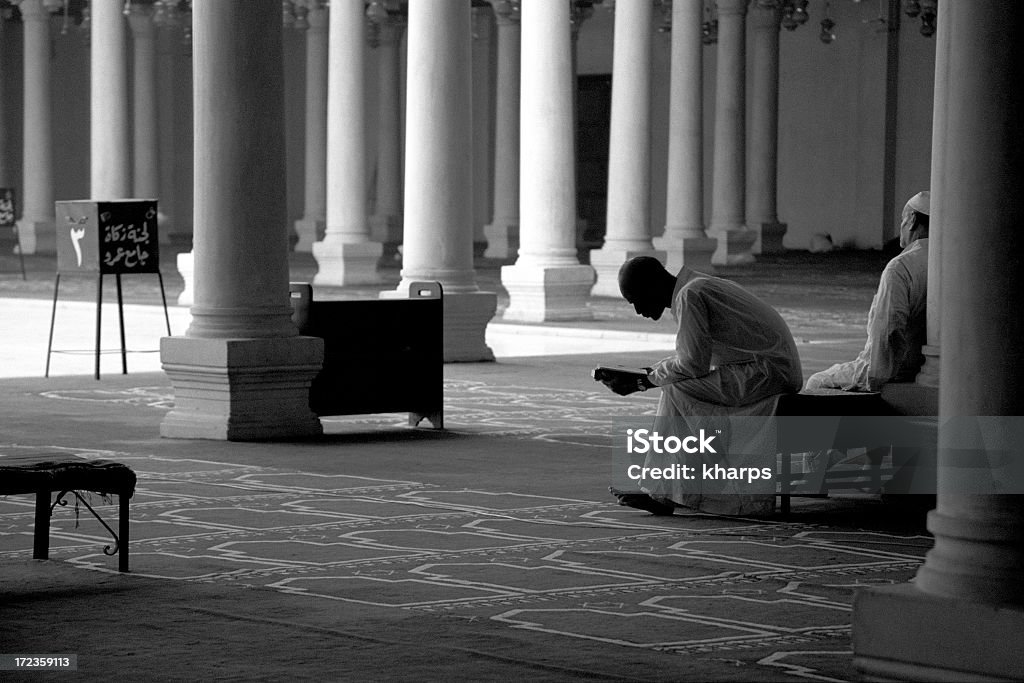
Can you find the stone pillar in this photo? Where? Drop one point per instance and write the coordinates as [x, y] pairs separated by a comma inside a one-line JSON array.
[[628, 232], [727, 193], [346, 255], [6, 170], [482, 60], [962, 617], [386, 221], [310, 227], [438, 171], [36, 231], [146, 169], [108, 122], [684, 240], [547, 281], [503, 231], [172, 223], [241, 372], [762, 163]]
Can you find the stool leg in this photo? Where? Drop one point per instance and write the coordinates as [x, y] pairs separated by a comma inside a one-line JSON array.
[[41, 539], [122, 533]]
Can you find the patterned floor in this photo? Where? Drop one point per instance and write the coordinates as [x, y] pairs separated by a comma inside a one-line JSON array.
[[770, 598]]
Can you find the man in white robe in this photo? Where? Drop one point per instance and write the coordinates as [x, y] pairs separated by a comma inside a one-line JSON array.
[[734, 356]]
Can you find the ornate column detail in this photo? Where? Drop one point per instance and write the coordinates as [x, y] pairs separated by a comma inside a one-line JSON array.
[[727, 199], [36, 231], [310, 228], [503, 231], [346, 255], [762, 164], [964, 613], [629, 169], [241, 372], [146, 168], [438, 169], [684, 240], [386, 221], [547, 281], [108, 123]]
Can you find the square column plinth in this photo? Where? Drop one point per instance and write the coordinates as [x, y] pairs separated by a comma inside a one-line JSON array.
[[693, 252], [308, 230], [901, 633], [37, 237], [241, 389], [340, 264], [734, 247], [541, 293]]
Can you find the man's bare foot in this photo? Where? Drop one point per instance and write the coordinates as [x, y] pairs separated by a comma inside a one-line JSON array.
[[642, 501]]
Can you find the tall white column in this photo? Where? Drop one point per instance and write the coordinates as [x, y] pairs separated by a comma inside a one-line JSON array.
[[547, 281], [438, 171], [727, 193], [762, 161], [684, 240], [6, 171], [963, 616], [386, 221], [628, 232], [482, 61], [310, 227], [108, 122], [146, 168], [503, 231], [36, 230], [173, 222], [346, 255], [241, 372]]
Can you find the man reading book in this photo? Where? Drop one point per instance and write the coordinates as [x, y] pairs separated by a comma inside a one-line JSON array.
[[734, 356]]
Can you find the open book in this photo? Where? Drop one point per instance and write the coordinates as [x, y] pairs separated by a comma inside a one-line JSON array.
[[607, 372]]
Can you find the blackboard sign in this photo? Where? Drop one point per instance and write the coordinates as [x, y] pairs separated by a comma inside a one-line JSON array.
[[108, 237], [7, 207]]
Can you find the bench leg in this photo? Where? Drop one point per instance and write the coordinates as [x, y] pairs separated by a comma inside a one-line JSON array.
[[436, 419], [122, 533], [41, 538]]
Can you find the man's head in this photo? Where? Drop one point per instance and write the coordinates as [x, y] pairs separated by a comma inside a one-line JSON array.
[[914, 224], [646, 284]]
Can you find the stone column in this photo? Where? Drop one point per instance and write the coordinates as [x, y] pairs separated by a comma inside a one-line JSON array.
[[146, 169], [108, 122], [503, 231], [547, 281], [962, 617], [727, 193], [628, 232], [310, 227], [482, 60], [386, 221], [762, 163], [684, 240], [241, 372], [172, 223], [438, 171], [346, 255], [36, 231], [6, 171]]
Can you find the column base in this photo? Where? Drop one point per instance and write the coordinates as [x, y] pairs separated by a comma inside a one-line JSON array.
[[606, 262], [241, 389], [540, 293], [37, 237], [466, 315], [346, 263], [902, 633], [502, 240], [387, 229], [692, 252], [734, 247], [309, 230], [928, 375], [186, 268], [770, 239]]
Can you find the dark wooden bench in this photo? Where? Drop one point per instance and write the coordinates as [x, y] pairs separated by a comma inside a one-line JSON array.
[[854, 429], [48, 473], [380, 355]]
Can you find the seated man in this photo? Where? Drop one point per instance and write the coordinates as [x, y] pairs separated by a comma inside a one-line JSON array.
[[896, 319], [734, 356]]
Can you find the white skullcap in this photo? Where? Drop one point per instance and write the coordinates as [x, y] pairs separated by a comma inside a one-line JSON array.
[[920, 202]]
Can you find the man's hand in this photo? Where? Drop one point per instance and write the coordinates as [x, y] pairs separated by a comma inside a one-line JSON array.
[[623, 386]]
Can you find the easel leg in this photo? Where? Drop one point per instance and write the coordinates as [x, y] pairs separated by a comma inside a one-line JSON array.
[[53, 319], [120, 319], [99, 320], [163, 297]]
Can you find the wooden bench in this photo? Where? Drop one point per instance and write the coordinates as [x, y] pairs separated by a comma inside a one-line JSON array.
[[853, 430], [44, 474], [380, 355]]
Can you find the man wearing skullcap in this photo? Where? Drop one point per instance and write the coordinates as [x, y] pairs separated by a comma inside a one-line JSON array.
[[896, 319]]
